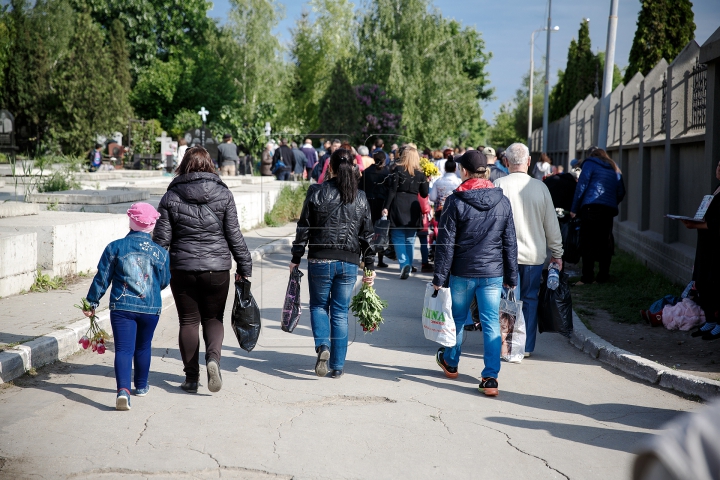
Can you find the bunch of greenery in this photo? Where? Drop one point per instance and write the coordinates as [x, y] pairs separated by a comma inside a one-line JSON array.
[[367, 306]]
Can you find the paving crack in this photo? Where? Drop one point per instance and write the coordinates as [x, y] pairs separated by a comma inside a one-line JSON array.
[[290, 421], [509, 442], [144, 428]]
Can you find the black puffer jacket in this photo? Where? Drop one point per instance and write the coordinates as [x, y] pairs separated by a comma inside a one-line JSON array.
[[194, 237], [476, 237], [334, 230]]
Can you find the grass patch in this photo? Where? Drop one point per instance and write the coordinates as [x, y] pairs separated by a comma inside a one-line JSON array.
[[633, 287], [288, 206]]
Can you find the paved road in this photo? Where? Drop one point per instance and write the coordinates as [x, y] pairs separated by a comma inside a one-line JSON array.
[[393, 415]]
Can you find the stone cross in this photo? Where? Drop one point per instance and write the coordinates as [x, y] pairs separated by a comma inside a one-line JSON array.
[[165, 142], [203, 113]]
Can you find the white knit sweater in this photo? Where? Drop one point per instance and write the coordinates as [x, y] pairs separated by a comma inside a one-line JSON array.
[[536, 223]]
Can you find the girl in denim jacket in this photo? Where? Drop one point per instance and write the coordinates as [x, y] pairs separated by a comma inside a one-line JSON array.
[[138, 269]]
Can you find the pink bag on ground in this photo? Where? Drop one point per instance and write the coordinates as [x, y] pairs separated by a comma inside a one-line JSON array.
[[683, 316]]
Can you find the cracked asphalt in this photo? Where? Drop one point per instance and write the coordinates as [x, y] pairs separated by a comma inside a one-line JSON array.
[[393, 414]]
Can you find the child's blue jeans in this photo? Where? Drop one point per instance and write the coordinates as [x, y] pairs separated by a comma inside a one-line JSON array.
[[133, 333]]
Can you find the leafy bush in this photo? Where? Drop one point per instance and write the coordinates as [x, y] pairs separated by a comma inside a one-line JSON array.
[[288, 206]]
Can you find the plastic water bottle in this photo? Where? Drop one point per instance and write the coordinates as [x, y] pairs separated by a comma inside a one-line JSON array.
[[553, 280]]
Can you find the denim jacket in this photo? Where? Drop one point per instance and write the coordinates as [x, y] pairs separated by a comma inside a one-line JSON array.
[[138, 269]]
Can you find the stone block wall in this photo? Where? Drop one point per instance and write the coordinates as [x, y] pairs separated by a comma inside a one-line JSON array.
[[18, 261]]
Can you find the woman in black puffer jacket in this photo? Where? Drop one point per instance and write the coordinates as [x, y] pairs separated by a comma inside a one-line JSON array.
[[476, 255], [335, 222], [199, 226]]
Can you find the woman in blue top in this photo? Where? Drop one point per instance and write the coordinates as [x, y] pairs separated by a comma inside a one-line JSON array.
[[600, 189], [138, 269]]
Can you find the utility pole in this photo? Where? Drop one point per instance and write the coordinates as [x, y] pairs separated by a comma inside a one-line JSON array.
[[608, 75], [530, 90], [546, 106]]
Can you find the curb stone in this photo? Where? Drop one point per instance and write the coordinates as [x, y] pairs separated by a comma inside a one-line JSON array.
[[640, 367], [58, 345]]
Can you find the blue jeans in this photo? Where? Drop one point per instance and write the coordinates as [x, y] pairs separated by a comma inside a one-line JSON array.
[[424, 251], [331, 286], [283, 176], [404, 241], [529, 277], [487, 291], [133, 334]]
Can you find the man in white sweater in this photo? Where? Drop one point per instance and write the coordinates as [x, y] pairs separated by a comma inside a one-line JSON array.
[[537, 229]]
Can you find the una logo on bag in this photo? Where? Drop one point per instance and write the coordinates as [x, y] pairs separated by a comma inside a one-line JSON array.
[[434, 315]]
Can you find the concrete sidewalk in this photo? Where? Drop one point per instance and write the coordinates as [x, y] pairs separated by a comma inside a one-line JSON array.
[[560, 414], [38, 328]]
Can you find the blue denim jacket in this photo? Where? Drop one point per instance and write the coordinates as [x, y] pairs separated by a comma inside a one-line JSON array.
[[138, 269]]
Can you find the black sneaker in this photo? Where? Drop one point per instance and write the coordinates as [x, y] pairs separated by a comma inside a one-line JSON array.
[[321, 366], [405, 272], [214, 376], [474, 327], [336, 374], [382, 265], [489, 386], [190, 387], [450, 372]]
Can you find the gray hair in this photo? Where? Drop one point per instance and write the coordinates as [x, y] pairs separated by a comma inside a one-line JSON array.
[[363, 150], [517, 153]]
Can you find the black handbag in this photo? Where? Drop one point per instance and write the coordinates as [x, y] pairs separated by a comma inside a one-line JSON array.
[[381, 235], [245, 316]]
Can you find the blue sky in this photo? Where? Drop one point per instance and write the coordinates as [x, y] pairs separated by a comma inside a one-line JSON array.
[[506, 26]]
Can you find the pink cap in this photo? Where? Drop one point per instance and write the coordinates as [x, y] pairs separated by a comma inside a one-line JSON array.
[[143, 217]]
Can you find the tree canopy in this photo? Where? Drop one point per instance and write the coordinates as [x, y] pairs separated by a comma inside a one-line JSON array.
[[664, 27]]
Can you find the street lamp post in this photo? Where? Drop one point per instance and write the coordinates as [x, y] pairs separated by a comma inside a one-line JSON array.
[[532, 72], [608, 74], [546, 106]]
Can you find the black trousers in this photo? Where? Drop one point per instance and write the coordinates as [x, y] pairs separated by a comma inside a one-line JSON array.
[[200, 299], [596, 241]]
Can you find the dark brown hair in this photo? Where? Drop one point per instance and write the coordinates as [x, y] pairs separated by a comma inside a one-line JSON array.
[[196, 159], [341, 164], [545, 158], [602, 155]]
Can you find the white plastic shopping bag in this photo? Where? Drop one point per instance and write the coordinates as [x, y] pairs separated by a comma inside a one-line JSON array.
[[437, 319], [512, 329]]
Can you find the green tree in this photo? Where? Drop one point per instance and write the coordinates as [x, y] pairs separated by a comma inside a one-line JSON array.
[[259, 70], [434, 65], [38, 40], [319, 41], [339, 106], [85, 90], [153, 28], [120, 76], [520, 112], [503, 131], [664, 28]]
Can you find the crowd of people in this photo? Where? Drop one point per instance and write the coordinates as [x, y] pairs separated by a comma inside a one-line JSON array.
[[485, 227]]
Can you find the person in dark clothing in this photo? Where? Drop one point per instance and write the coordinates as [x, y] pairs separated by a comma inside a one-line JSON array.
[[402, 207], [706, 271], [95, 157], [227, 156], [311, 157], [562, 189], [335, 223], [300, 162], [476, 255], [198, 224], [379, 147], [599, 190], [283, 161], [374, 182]]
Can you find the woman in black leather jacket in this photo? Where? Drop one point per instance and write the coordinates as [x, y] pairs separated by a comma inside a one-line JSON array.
[[199, 226], [335, 222]]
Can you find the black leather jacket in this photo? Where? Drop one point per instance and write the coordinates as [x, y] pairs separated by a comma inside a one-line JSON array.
[[195, 238], [335, 231]]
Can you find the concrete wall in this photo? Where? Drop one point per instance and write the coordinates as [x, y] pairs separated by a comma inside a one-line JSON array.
[[667, 163], [18, 262]]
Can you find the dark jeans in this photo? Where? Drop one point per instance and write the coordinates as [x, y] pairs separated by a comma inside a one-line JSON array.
[[133, 333], [200, 299], [596, 242], [283, 176]]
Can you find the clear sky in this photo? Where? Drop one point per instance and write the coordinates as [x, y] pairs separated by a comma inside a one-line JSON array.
[[506, 26]]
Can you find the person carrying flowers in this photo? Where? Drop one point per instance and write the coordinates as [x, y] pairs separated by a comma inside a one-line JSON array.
[[138, 269]]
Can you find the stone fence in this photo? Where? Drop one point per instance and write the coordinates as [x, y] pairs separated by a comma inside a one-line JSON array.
[[664, 133]]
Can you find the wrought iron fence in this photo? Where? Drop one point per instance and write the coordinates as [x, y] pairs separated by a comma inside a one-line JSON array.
[[699, 94], [663, 108]]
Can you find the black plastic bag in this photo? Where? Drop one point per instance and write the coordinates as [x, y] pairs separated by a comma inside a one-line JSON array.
[[381, 235], [571, 241], [245, 316], [292, 308], [555, 306]]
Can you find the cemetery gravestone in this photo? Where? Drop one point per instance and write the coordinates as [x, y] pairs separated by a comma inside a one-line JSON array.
[[193, 137]]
